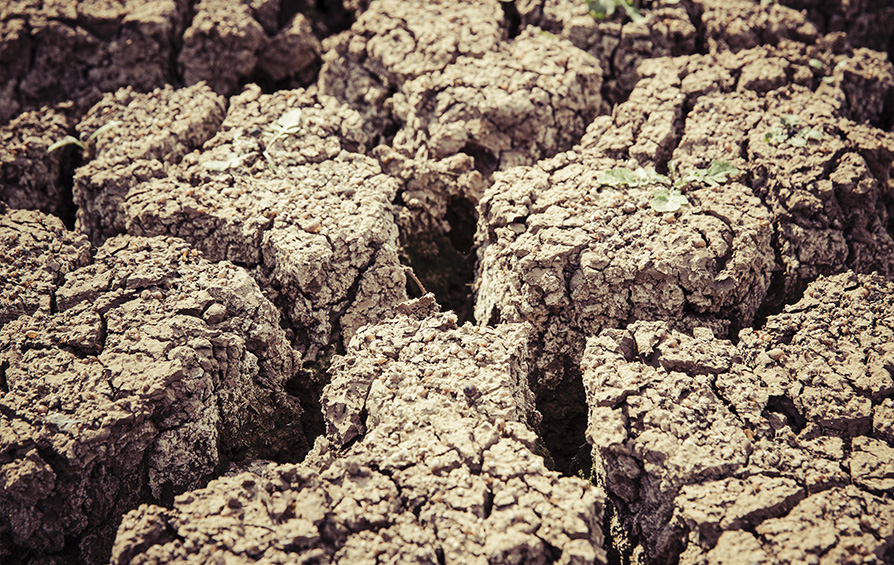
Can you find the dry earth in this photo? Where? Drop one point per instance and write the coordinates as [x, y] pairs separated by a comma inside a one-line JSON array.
[[217, 343]]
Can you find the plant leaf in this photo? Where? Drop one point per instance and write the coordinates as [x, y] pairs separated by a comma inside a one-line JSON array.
[[601, 8], [814, 133], [719, 172], [790, 120], [67, 140], [102, 129], [622, 176], [615, 177], [671, 200], [776, 136], [290, 120], [797, 141], [631, 11], [231, 161]]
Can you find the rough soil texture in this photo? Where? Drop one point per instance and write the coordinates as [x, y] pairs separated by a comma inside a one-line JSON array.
[[220, 278], [155, 369], [38, 252], [150, 131], [229, 41], [29, 178], [428, 457], [309, 214], [711, 448], [55, 51]]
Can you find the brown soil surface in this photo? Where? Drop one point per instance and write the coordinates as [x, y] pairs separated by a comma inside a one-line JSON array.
[[658, 245]]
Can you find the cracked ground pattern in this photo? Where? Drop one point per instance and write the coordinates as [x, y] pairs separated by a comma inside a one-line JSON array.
[[217, 343]]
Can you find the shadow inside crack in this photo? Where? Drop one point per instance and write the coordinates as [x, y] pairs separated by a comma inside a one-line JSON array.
[[564, 424], [445, 262]]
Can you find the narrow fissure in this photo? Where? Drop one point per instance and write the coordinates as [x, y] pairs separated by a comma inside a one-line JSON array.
[[512, 18], [445, 262], [775, 297], [307, 386], [617, 541], [67, 209], [563, 427], [784, 406], [189, 13]]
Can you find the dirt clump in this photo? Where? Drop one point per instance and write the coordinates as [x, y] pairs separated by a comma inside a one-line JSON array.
[[824, 178], [559, 249], [619, 44], [277, 189], [512, 106], [865, 22], [710, 449], [31, 179], [55, 51], [148, 132], [806, 149], [158, 368], [38, 252], [428, 457], [395, 41], [228, 42]]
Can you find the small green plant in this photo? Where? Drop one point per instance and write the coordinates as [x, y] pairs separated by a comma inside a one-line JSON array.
[[718, 173], [83, 141], [623, 176], [669, 198], [830, 79], [243, 149], [231, 161], [601, 9], [793, 132], [287, 124]]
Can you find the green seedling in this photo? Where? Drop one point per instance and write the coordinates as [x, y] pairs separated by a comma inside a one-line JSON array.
[[669, 198], [287, 124], [838, 67], [244, 148], [601, 9], [82, 142], [632, 178], [793, 132], [231, 161], [718, 173]]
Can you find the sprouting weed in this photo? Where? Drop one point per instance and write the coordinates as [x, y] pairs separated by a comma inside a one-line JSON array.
[[81, 141], [623, 176], [718, 173], [231, 161], [287, 124], [600, 9], [669, 198], [244, 149], [838, 67], [793, 132]]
